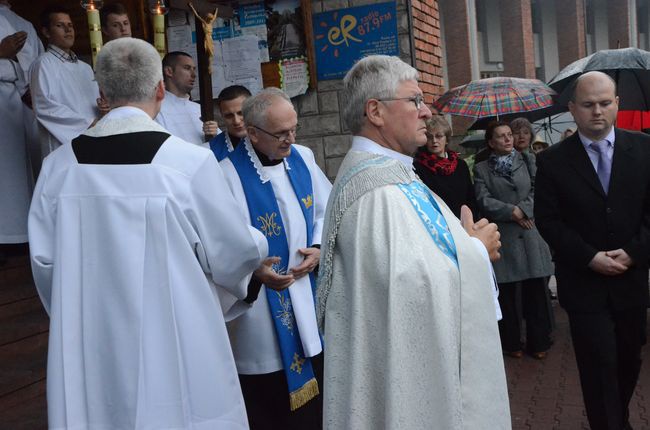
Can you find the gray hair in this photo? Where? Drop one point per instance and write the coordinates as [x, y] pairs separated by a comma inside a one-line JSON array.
[[128, 70], [372, 77], [254, 108]]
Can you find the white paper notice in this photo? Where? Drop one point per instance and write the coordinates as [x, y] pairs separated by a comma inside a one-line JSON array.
[[241, 56], [261, 32], [295, 76], [179, 38]]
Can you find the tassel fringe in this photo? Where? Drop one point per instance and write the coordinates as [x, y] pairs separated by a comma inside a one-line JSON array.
[[304, 394]]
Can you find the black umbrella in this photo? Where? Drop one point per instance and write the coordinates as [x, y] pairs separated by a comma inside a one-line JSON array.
[[629, 67], [532, 116]]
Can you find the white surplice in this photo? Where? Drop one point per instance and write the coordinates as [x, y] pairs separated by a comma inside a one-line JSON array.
[[26, 57], [252, 334], [182, 118], [120, 254], [32, 47], [64, 98], [411, 339], [15, 189]]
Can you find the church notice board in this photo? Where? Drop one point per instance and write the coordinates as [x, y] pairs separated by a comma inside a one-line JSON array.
[[343, 36], [262, 44]]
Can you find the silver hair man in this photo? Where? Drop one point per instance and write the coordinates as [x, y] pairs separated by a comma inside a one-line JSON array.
[[254, 108], [128, 70], [376, 76]]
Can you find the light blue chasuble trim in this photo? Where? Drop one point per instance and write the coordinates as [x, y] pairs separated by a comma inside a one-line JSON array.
[[429, 212], [266, 217]]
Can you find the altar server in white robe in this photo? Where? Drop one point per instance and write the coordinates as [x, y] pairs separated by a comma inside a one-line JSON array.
[[178, 114], [26, 57], [406, 294], [125, 224], [15, 189], [64, 91], [283, 193]]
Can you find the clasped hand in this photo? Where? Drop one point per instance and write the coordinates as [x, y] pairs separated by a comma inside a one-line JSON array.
[[483, 230], [611, 263], [267, 275]]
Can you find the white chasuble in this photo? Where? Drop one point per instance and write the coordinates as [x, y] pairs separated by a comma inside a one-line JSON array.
[[411, 338], [121, 254]]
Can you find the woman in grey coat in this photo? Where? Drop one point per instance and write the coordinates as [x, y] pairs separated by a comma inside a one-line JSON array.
[[504, 185]]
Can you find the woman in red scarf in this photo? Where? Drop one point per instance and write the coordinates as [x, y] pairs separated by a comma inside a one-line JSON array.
[[442, 170]]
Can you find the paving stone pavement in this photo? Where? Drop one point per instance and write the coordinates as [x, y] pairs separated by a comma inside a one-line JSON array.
[[545, 394]]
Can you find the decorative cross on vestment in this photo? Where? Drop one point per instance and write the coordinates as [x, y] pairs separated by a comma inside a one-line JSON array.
[[604, 169]]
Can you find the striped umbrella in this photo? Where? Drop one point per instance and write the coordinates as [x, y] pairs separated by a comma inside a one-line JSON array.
[[495, 96]]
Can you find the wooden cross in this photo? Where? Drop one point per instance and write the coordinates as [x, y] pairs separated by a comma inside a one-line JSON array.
[[204, 65]]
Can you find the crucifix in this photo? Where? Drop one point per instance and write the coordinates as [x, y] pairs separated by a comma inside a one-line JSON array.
[[205, 53]]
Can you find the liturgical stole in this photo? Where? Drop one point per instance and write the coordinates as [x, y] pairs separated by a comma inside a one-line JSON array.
[[266, 217]]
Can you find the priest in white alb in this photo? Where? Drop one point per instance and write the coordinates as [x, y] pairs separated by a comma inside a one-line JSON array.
[[405, 292], [283, 192], [15, 180], [32, 49], [127, 227], [179, 114], [64, 91]]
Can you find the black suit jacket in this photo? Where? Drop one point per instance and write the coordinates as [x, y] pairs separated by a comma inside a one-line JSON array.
[[577, 220]]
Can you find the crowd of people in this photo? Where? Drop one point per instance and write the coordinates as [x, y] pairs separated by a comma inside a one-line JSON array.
[[216, 279]]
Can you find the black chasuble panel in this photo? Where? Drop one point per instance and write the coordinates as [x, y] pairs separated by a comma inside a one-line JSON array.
[[129, 148]]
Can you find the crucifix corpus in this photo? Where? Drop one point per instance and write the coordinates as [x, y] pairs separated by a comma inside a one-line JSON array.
[[205, 53]]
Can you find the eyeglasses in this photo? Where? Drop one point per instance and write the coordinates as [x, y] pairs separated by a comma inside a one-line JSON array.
[[418, 100], [284, 135]]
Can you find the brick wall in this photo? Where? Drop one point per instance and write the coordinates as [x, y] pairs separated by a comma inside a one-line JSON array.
[[428, 51], [571, 42], [322, 127], [517, 38], [618, 24]]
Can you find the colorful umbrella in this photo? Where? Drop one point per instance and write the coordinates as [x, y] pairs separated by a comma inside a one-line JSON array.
[[495, 97]]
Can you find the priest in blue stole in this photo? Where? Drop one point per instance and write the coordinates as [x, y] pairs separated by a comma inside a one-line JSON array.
[[283, 193]]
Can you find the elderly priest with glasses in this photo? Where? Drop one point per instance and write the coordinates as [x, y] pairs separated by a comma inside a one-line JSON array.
[[283, 193], [405, 290]]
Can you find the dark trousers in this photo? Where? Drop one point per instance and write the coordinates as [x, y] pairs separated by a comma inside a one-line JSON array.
[[535, 309], [608, 352], [267, 401]]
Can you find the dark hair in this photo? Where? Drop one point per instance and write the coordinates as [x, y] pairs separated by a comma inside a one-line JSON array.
[[51, 10], [171, 58], [111, 9], [491, 127], [232, 92]]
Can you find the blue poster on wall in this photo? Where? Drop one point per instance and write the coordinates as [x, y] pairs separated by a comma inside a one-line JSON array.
[[343, 36]]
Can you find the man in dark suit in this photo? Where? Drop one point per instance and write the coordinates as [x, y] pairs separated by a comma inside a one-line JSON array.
[[592, 206]]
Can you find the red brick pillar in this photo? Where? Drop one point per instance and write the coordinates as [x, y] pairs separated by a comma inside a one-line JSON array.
[[571, 42], [459, 51], [618, 24], [428, 52], [517, 38]]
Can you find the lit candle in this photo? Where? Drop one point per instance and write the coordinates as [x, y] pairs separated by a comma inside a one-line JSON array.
[[159, 30], [94, 30]]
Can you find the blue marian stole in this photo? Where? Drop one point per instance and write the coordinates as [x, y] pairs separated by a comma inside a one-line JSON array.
[[429, 212], [265, 216], [219, 145]]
